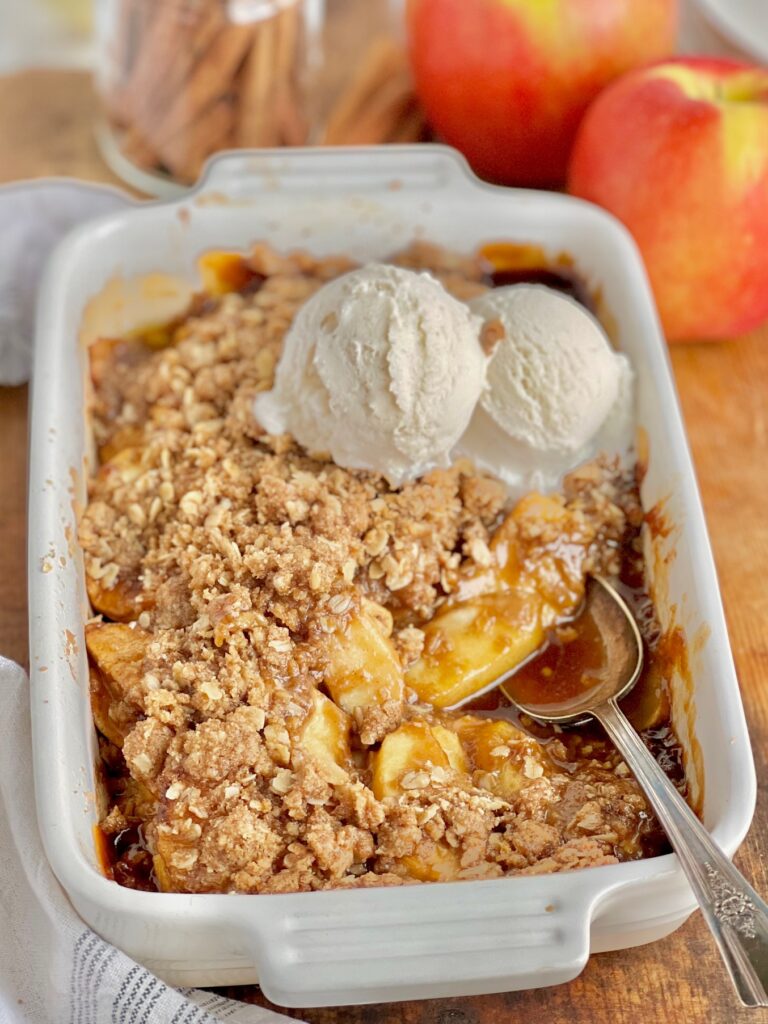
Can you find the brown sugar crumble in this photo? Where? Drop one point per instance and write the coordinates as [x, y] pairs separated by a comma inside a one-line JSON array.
[[266, 619]]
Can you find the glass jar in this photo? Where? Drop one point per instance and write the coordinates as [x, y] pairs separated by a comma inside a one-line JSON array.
[[181, 79]]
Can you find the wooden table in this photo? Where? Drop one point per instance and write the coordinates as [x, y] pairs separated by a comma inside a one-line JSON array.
[[46, 127]]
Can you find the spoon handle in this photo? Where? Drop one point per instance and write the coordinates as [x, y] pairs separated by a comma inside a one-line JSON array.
[[736, 915]]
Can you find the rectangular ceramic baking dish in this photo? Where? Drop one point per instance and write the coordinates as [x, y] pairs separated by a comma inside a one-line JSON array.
[[387, 944]]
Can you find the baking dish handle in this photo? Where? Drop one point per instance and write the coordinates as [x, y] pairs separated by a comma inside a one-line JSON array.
[[433, 941], [357, 169]]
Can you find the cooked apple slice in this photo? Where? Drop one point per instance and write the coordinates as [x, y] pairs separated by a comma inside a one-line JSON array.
[[123, 601], [116, 653], [174, 856], [506, 758], [488, 742], [435, 862], [546, 543], [361, 666], [473, 643], [500, 614], [127, 463], [414, 747], [648, 706], [509, 546], [128, 436], [325, 738], [162, 875], [223, 272], [104, 707]]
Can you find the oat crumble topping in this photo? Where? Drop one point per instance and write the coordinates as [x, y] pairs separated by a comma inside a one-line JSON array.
[[265, 616]]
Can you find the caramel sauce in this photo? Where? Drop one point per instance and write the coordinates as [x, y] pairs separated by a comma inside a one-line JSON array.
[[511, 263], [657, 522], [238, 276], [133, 864], [105, 851], [123, 856], [573, 663], [562, 280]]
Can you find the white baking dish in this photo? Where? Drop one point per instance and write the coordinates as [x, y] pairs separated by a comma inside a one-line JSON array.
[[372, 945]]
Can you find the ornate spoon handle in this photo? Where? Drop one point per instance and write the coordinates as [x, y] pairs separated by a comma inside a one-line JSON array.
[[736, 915]]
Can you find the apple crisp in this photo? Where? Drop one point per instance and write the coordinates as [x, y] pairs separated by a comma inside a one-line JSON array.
[[277, 640]]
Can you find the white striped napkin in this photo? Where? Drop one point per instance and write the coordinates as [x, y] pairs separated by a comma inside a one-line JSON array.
[[54, 969]]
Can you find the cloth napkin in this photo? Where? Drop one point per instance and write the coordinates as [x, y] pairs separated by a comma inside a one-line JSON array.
[[34, 216], [53, 968]]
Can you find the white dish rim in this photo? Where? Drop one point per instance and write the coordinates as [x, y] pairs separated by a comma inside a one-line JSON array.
[[576, 896]]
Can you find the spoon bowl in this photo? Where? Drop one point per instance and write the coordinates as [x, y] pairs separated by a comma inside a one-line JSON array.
[[611, 662]]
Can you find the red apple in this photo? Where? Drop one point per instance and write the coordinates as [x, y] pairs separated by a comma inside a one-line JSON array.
[[507, 81], [679, 153]]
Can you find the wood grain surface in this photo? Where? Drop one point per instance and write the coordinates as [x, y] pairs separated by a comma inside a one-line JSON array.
[[46, 121]]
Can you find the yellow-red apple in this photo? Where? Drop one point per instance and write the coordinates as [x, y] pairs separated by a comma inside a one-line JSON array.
[[507, 81], [679, 153]]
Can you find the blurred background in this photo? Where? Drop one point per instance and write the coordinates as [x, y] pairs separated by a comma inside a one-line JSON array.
[[58, 33], [295, 71], [55, 33], [553, 94]]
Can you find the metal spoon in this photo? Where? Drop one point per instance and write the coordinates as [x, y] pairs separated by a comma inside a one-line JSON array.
[[736, 915]]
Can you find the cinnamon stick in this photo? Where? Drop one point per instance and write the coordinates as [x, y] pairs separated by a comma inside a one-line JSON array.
[[159, 63], [162, 77], [379, 63], [377, 102], [254, 127], [411, 127], [185, 152], [209, 80]]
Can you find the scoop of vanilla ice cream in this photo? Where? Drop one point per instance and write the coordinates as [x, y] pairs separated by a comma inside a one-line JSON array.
[[556, 392], [382, 368]]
